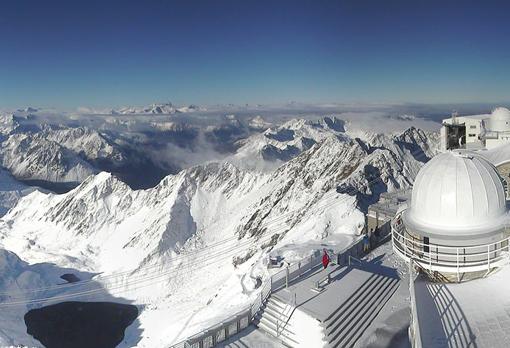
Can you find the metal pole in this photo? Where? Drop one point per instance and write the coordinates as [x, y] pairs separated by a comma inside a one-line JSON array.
[[458, 274], [488, 258], [287, 277]]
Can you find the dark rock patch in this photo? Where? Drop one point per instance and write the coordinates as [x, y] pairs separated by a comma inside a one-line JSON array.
[[80, 324], [70, 278]]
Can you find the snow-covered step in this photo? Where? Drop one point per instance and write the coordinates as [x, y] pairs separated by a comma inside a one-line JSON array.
[[274, 318], [357, 326], [346, 325], [284, 336], [346, 309], [341, 310]]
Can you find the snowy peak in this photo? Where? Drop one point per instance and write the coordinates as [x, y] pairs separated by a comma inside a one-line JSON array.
[[32, 156], [258, 123], [8, 124], [157, 109], [28, 109], [277, 145]]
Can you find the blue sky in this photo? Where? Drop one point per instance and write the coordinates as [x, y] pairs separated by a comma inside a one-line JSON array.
[[108, 53]]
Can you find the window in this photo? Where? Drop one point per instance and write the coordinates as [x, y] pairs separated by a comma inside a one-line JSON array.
[[472, 135], [472, 127], [426, 246]]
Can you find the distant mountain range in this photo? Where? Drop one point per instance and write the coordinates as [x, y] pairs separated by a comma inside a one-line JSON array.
[[157, 109], [199, 237]]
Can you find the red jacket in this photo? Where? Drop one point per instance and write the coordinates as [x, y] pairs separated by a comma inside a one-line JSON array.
[[325, 260]]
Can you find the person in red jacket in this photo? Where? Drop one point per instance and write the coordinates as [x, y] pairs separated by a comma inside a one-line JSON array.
[[325, 259]]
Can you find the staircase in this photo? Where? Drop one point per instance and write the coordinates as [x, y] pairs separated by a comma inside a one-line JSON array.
[[348, 322], [273, 319]]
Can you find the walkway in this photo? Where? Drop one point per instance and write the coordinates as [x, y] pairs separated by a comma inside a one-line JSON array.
[[470, 314], [346, 281]]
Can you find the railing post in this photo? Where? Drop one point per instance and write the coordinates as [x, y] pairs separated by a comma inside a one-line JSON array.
[[488, 258], [262, 297], [458, 273], [287, 277], [311, 261]]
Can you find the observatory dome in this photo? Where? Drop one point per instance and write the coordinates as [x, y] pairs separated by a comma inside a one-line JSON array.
[[457, 193], [500, 120]]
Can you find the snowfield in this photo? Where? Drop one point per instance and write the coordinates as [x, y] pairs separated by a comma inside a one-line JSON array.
[[188, 251]]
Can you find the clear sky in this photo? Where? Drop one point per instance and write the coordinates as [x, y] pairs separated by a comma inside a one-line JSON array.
[[109, 53]]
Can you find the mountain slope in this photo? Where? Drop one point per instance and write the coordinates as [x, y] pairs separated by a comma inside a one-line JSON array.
[[207, 230]]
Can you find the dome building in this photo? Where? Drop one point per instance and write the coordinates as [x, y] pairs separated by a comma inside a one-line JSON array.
[[455, 225], [500, 120]]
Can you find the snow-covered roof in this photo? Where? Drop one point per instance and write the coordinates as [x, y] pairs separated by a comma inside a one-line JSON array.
[[469, 117], [468, 314], [498, 155], [457, 193]]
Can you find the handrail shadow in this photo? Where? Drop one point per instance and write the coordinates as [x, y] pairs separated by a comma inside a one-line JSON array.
[[444, 317]]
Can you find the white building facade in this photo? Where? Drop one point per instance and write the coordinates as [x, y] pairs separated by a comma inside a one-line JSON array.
[[455, 226], [486, 131]]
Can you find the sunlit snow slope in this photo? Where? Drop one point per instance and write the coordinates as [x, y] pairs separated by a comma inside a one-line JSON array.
[[197, 241]]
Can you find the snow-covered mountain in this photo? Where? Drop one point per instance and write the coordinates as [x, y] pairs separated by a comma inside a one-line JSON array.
[[32, 156], [88, 143], [276, 145], [259, 123], [157, 109], [11, 191], [203, 234]]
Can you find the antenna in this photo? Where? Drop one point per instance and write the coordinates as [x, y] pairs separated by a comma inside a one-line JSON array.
[[454, 116]]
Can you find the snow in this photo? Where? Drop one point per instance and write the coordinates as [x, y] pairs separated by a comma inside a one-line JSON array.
[[191, 247], [452, 314], [308, 330]]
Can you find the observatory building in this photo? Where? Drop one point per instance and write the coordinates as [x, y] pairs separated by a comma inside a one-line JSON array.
[[485, 131], [455, 225]]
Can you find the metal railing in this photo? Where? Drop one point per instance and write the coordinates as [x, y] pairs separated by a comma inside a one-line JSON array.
[[220, 332], [414, 327], [449, 259], [352, 258]]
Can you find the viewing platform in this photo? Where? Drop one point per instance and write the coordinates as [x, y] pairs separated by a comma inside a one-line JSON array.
[[470, 314], [329, 308]]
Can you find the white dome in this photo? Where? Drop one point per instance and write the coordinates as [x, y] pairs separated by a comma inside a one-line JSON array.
[[501, 114], [500, 119], [455, 193]]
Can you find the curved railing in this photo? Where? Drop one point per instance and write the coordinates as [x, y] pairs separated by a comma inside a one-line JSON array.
[[449, 259]]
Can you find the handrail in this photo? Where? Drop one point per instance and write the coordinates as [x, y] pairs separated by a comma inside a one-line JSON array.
[[417, 242], [355, 259], [268, 288], [455, 259], [414, 327], [497, 247]]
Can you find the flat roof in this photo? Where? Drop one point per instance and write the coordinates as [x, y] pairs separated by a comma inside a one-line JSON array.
[[472, 117], [471, 314]]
